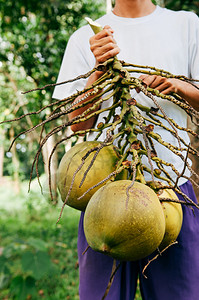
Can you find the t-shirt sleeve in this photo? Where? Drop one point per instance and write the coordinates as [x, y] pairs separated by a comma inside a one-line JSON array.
[[74, 64], [194, 47]]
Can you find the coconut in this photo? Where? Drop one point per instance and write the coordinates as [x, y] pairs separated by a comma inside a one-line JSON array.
[[173, 217], [104, 164], [126, 224]]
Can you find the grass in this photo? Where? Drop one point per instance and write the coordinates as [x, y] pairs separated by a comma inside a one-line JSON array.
[[28, 224], [28, 227]]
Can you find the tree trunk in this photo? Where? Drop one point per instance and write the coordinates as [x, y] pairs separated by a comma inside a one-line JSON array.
[[2, 151], [47, 148], [1, 160], [15, 163], [108, 5], [160, 3], [46, 152]]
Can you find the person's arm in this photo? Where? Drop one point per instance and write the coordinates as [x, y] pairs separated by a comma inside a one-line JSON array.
[[103, 47], [172, 85]]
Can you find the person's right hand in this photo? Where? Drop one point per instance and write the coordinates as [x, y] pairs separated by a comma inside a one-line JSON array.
[[103, 45]]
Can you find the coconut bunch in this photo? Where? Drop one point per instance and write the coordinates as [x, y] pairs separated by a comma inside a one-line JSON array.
[[124, 129], [124, 218], [131, 131]]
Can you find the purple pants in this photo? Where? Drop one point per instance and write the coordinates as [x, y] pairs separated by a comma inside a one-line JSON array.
[[174, 275]]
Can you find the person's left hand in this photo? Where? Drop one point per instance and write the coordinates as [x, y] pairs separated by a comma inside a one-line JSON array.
[[163, 85]]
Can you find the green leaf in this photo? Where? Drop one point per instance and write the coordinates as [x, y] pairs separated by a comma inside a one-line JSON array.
[[22, 287], [4, 279], [37, 244], [16, 285], [2, 263], [38, 263], [4, 272]]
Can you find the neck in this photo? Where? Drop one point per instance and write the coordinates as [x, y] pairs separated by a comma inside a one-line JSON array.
[[133, 8]]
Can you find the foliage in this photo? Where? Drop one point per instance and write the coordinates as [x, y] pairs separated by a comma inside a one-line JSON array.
[[179, 4], [37, 33], [37, 257], [33, 37], [28, 229], [190, 5]]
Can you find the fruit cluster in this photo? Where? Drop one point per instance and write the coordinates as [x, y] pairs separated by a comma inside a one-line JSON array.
[[123, 220]]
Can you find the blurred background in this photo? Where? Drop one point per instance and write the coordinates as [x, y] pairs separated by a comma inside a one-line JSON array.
[[38, 257]]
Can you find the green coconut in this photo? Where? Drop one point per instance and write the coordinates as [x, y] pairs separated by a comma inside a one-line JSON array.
[[104, 164], [173, 218], [124, 227]]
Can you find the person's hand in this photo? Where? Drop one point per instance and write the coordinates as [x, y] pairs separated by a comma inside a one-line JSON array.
[[103, 45], [163, 85]]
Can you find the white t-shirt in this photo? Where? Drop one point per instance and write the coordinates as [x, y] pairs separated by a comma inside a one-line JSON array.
[[164, 39]]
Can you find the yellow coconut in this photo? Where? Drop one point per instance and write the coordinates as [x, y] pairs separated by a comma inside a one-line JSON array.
[[104, 164], [124, 227], [173, 217]]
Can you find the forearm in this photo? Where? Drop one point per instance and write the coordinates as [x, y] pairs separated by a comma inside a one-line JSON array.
[[90, 122], [190, 93]]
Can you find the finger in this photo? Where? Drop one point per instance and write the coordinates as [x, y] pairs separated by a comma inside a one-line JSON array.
[[168, 91], [164, 86], [142, 77], [104, 48], [148, 79], [103, 33], [103, 45], [108, 54], [100, 43], [158, 80], [100, 50], [109, 28]]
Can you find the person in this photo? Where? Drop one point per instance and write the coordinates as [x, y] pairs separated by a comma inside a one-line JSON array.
[[139, 32]]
